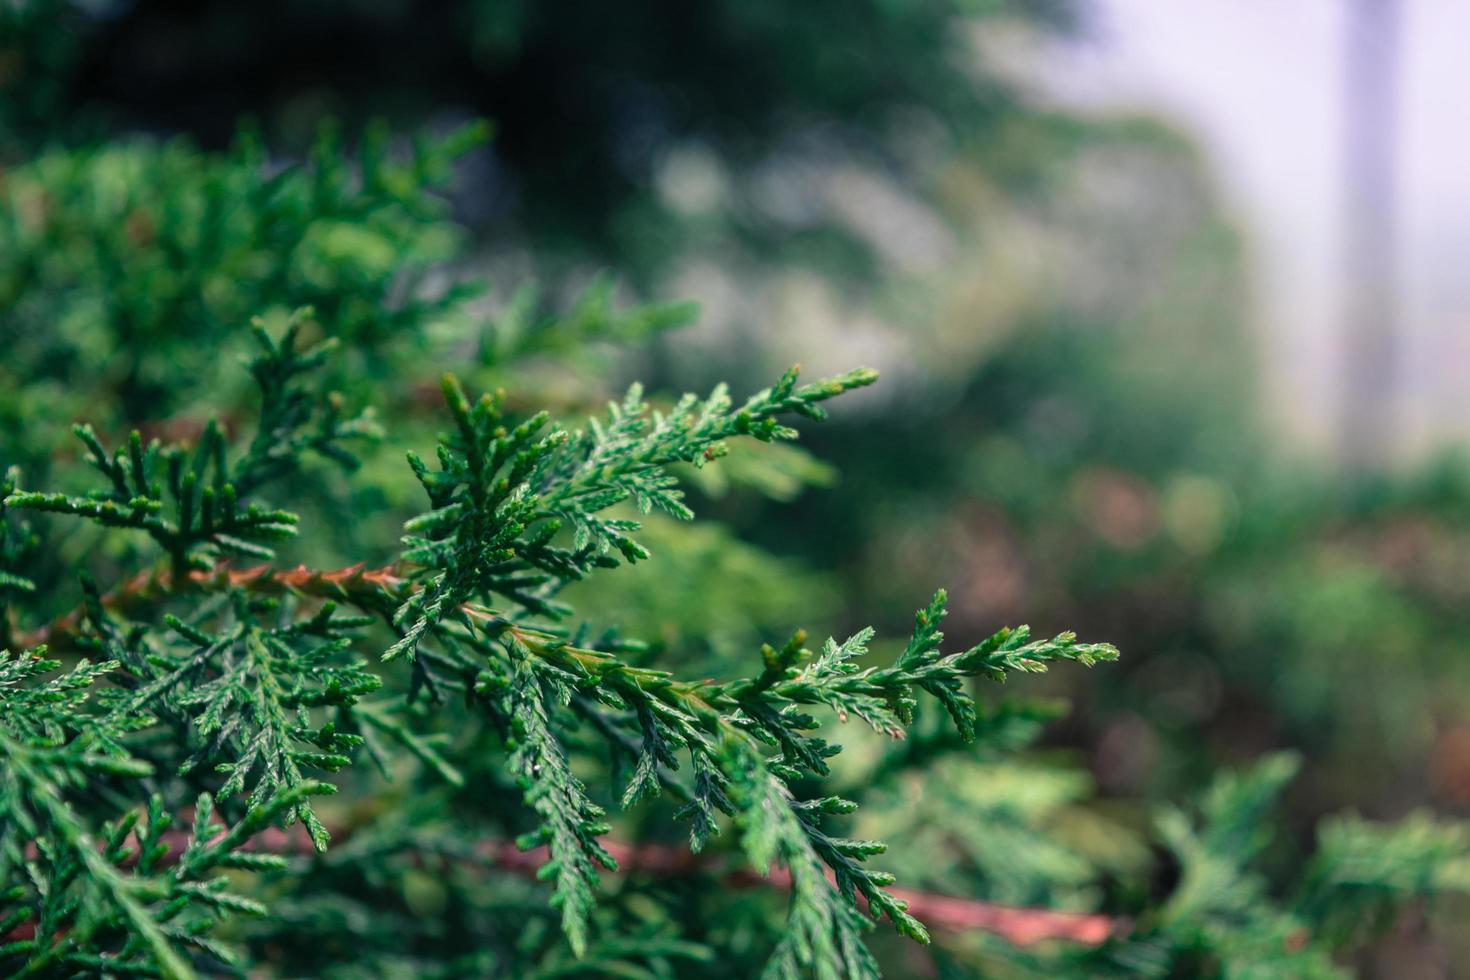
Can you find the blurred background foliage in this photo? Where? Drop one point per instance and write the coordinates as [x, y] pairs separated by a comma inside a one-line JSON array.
[[1058, 302]]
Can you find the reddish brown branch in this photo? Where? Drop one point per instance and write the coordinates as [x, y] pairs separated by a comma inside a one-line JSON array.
[[356, 582], [1019, 926]]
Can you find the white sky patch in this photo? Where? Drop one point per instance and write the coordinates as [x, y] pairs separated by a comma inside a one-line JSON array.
[[1259, 84]]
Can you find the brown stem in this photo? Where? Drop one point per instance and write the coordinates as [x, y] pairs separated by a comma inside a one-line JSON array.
[[1019, 926], [150, 585]]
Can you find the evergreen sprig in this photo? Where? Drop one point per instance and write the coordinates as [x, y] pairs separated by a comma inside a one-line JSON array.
[[728, 730], [94, 903], [295, 417], [189, 501], [503, 493], [570, 821]]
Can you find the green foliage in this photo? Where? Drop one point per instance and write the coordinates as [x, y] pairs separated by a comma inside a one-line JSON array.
[[1222, 918], [109, 250], [589, 98], [93, 902], [239, 694], [509, 721], [206, 520], [525, 328], [501, 496]]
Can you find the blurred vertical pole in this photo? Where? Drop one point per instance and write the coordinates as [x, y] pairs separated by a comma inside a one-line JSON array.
[[1370, 347]]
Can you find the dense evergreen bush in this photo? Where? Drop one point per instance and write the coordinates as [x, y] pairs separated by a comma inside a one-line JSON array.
[[247, 729], [216, 761]]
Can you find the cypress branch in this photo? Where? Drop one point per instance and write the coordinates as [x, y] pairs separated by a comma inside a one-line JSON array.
[[163, 802]]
